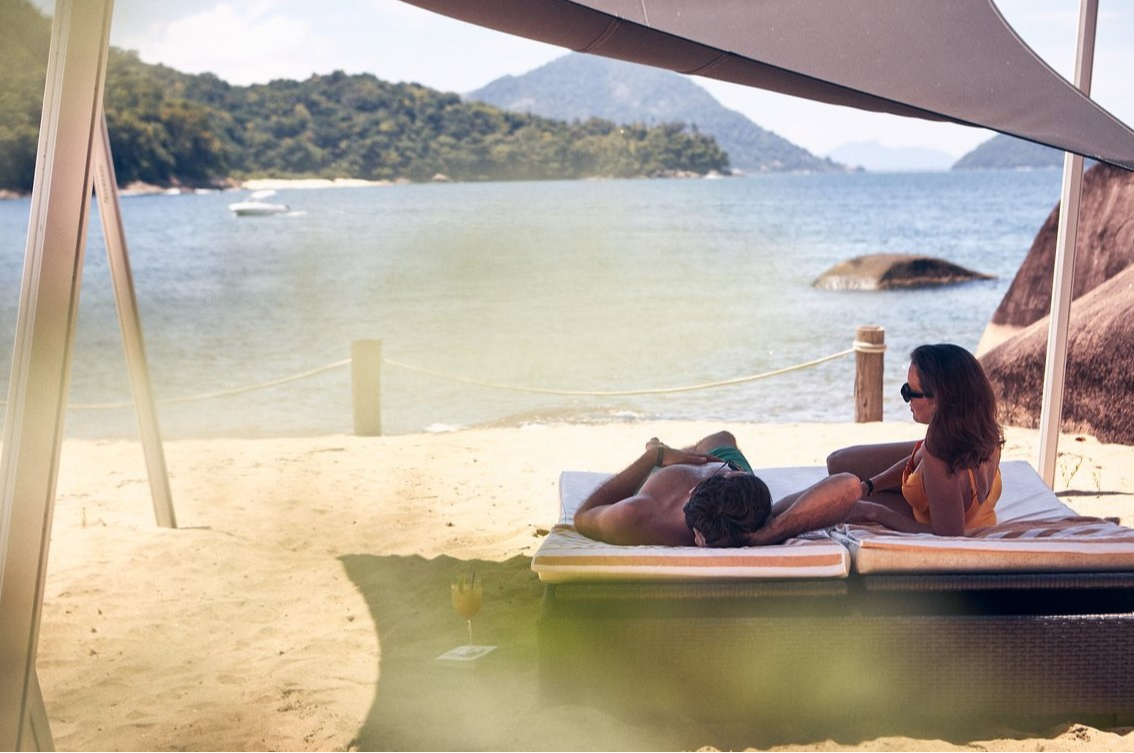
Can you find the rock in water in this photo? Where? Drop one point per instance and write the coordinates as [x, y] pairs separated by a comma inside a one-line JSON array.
[[888, 271]]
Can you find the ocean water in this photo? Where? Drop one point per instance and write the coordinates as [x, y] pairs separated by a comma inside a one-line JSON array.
[[521, 301]]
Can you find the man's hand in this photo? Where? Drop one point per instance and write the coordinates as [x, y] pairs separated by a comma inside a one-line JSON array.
[[665, 455]]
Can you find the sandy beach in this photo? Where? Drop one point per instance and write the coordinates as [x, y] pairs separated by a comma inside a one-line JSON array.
[[304, 597]]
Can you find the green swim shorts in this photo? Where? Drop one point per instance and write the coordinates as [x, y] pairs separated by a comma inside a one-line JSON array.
[[734, 458]]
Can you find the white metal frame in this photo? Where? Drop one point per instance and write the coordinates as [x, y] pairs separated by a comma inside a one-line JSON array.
[[1062, 286], [41, 354]]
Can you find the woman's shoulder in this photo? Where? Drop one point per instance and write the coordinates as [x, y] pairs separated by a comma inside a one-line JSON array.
[[946, 467]]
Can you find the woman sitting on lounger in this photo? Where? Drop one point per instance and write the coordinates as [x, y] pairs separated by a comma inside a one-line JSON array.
[[949, 482]]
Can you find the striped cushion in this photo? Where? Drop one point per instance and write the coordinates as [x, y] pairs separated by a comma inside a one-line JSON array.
[[1036, 532]]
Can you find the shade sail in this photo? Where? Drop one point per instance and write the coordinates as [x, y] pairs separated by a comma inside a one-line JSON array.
[[948, 60]]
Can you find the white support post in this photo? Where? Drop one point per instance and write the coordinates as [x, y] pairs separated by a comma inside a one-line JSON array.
[[41, 353], [106, 189], [1062, 285]]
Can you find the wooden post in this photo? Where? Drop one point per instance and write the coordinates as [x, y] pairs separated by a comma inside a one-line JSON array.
[[366, 387], [869, 366]]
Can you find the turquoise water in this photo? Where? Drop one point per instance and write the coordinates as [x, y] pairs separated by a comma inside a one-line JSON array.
[[585, 286]]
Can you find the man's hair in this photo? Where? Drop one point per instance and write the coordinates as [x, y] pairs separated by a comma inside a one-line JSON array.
[[725, 508]]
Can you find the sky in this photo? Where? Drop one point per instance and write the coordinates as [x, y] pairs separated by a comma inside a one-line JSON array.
[[255, 41]]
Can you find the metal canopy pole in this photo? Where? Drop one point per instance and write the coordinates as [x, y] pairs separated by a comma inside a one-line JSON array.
[[1062, 286], [41, 354], [106, 189]]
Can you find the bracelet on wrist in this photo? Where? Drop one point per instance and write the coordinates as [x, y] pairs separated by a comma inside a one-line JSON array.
[[869, 486]]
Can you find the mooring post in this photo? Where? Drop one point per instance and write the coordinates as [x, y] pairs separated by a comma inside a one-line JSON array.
[[366, 386], [869, 366]]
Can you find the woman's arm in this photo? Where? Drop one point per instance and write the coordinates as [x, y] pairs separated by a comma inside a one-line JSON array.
[[888, 480], [872, 512], [881, 464]]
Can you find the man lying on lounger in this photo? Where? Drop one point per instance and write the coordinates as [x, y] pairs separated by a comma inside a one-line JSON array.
[[707, 495]]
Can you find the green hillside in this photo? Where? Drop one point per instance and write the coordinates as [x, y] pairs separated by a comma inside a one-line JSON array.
[[173, 129]]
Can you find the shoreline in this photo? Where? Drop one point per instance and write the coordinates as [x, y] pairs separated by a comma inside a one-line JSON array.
[[276, 184], [252, 184], [303, 600]]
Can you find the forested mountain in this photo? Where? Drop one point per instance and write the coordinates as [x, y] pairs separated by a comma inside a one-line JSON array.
[[578, 86], [169, 128], [24, 39]]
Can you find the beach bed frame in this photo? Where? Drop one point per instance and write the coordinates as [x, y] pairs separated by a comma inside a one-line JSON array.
[[1017, 637]]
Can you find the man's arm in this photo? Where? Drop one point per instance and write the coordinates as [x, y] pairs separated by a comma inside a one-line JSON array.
[[613, 511], [600, 517], [822, 505]]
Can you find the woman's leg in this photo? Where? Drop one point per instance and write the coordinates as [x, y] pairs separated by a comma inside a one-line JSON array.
[[867, 460], [713, 441], [872, 461]]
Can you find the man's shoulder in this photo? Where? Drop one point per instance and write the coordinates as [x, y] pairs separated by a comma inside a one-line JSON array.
[[640, 519]]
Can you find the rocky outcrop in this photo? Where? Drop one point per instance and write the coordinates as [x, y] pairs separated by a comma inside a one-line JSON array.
[[1104, 247], [1099, 383], [1098, 393], [888, 271]]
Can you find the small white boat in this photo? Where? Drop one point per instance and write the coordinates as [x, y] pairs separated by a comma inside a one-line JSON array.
[[257, 207]]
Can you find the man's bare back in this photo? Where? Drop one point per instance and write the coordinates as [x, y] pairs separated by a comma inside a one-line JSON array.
[[644, 504], [666, 491]]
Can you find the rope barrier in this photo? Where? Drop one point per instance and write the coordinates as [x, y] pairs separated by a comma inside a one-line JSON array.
[[865, 347], [859, 347], [219, 393], [624, 393]]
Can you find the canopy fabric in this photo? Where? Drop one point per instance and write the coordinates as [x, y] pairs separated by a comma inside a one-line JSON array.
[[947, 60]]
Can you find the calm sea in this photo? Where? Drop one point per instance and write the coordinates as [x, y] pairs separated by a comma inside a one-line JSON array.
[[559, 287]]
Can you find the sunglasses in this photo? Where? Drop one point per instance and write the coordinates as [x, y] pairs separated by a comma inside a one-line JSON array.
[[724, 465], [908, 394]]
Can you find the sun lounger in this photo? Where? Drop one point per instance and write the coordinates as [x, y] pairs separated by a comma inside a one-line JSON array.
[[1031, 618], [567, 556]]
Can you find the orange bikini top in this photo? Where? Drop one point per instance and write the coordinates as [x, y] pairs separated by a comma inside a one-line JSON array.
[[978, 514]]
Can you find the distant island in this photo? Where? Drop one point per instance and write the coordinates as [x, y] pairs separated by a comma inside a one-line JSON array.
[[1003, 152], [576, 87], [873, 156]]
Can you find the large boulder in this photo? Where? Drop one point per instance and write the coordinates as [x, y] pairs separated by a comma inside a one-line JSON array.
[[1104, 247], [887, 271], [1099, 388]]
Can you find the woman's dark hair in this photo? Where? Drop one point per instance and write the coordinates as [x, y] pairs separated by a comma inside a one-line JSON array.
[[725, 508], [964, 431]]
